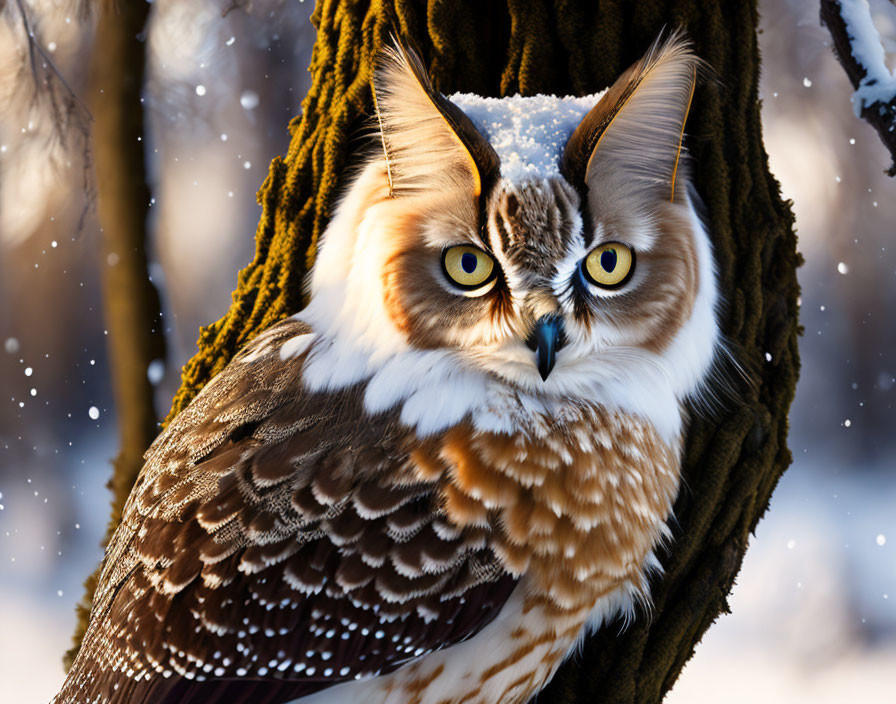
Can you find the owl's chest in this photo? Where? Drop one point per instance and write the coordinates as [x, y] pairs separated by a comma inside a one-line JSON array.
[[577, 505]]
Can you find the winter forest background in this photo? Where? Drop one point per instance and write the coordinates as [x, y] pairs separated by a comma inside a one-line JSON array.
[[814, 609]]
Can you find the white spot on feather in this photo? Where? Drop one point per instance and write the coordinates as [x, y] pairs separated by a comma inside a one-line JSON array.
[[296, 346]]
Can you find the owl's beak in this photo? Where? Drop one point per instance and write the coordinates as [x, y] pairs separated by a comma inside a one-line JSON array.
[[546, 340]]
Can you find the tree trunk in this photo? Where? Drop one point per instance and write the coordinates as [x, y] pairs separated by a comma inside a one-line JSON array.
[[733, 458], [131, 306]]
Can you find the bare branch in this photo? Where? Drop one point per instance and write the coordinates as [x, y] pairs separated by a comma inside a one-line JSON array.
[[44, 74], [66, 110], [858, 47]]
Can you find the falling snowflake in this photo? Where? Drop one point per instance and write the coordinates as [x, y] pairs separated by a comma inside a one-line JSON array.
[[249, 99]]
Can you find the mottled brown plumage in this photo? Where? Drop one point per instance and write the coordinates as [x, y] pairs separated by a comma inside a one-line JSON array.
[[249, 522]]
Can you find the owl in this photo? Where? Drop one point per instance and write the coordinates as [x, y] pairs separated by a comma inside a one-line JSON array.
[[431, 483]]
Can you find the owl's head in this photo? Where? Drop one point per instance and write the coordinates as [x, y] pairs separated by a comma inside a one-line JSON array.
[[548, 243]]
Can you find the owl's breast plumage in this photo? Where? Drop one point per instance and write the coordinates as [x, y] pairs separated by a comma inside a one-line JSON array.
[[573, 505], [577, 503]]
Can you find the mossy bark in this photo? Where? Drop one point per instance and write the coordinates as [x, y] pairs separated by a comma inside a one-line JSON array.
[[733, 458]]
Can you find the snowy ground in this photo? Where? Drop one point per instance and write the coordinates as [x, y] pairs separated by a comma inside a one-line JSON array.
[[49, 538]]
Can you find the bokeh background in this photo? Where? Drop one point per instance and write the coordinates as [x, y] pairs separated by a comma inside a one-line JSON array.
[[814, 609]]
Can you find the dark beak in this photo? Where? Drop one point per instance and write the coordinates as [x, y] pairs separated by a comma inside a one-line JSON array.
[[546, 340]]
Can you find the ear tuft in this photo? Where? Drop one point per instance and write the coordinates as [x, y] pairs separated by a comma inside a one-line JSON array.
[[427, 139], [630, 143]]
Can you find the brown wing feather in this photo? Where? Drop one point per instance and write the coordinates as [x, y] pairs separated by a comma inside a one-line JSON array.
[[278, 542]]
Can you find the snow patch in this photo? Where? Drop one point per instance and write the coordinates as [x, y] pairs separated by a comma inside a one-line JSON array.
[[529, 133]]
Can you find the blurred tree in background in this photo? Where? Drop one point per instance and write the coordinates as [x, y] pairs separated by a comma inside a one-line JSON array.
[[132, 309], [131, 306]]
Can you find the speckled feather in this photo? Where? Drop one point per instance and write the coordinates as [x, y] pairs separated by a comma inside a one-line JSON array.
[[270, 549]]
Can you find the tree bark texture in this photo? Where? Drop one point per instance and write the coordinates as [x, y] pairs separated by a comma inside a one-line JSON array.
[[131, 306], [735, 455]]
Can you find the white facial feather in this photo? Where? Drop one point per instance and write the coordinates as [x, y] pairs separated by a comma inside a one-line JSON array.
[[346, 307], [690, 356]]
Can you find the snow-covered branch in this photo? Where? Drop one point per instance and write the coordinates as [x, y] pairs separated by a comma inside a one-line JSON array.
[[859, 49]]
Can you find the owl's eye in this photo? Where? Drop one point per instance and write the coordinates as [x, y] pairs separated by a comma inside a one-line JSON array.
[[469, 268], [610, 265]]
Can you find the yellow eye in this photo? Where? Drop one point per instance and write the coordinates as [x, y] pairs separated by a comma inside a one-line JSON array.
[[610, 265], [467, 267]]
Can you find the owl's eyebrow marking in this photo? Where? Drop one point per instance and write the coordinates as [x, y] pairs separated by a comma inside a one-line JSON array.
[[501, 229], [379, 119], [564, 207], [589, 229], [481, 235]]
